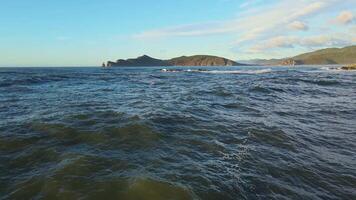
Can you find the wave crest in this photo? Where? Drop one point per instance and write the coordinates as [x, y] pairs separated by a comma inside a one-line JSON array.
[[260, 71]]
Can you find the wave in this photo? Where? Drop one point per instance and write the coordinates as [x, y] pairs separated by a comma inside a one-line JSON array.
[[327, 69], [332, 69], [21, 80], [260, 71]]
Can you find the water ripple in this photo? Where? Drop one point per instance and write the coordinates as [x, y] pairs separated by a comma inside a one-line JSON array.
[[144, 133]]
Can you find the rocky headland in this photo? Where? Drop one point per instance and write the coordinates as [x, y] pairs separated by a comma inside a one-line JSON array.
[[198, 60]]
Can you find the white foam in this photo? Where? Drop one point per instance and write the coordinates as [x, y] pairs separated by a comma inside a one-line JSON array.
[[333, 69], [169, 70], [261, 71]]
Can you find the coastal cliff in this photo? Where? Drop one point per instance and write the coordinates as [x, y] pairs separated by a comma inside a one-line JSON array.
[[198, 60]]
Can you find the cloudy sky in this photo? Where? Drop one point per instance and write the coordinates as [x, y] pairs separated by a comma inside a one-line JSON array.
[[88, 32]]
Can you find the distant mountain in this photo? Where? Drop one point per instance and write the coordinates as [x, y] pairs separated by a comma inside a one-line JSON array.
[[198, 60], [346, 55]]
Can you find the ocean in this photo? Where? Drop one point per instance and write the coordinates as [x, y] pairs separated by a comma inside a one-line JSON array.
[[145, 133]]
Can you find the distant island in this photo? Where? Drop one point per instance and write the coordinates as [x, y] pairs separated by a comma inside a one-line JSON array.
[[198, 60], [345, 56]]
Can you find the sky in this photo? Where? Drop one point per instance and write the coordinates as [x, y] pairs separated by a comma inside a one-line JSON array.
[[89, 32]]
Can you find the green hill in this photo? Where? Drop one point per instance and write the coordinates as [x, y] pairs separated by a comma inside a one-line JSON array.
[[201, 60], [198, 60], [345, 55]]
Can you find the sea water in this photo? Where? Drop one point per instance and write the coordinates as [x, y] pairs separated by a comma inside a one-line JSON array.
[[183, 133]]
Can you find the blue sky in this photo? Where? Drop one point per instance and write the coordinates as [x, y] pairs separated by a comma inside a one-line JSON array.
[[88, 32]]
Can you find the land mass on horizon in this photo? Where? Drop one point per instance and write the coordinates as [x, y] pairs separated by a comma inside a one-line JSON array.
[[329, 56], [198, 60]]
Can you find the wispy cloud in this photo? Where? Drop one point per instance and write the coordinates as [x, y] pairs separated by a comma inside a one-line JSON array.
[[185, 30], [345, 17], [298, 25], [249, 3], [249, 24], [306, 42], [270, 26]]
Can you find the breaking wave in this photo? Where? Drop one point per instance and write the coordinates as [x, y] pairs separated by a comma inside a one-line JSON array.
[[260, 71]]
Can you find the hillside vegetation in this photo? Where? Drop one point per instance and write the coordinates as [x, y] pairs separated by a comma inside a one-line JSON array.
[[346, 55], [198, 60]]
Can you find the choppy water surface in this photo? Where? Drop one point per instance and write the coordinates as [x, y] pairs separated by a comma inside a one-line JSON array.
[[142, 133]]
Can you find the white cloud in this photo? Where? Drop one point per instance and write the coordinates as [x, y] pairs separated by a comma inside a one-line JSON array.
[[184, 30], [298, 25], [333, 40], [249, 25], [345, 17], [270, 26], [275, 42], [274, 20], [326, 41], [308, 8]]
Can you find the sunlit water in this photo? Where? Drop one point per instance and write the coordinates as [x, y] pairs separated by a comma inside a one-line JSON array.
[[142, 133]]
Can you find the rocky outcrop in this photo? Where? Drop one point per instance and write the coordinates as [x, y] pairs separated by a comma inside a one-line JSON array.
[[349, 67], [199, 60], [291, 62]]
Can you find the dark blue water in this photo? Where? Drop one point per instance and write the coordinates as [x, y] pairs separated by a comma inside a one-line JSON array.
[[139, 133]]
